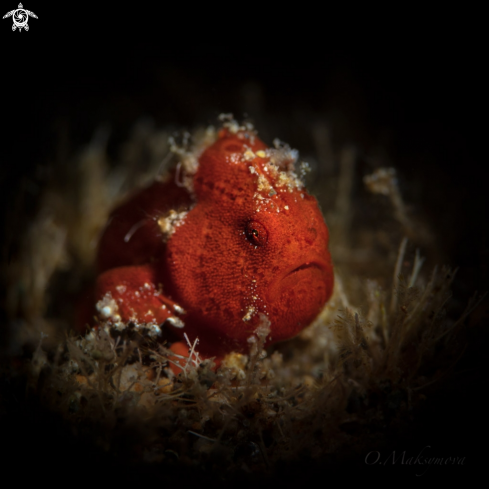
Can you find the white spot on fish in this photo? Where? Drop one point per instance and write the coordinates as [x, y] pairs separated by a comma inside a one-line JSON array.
[[176, 322]]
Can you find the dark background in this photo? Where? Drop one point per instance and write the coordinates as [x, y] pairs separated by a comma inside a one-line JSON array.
[[417, 90]]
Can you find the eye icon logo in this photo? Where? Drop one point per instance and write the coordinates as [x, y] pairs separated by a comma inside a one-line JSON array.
[[20, 16]]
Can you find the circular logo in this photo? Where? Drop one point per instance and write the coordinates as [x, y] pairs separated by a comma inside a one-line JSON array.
[[20, 18]]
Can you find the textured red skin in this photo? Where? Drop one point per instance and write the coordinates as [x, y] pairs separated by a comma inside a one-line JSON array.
[[211, 266]]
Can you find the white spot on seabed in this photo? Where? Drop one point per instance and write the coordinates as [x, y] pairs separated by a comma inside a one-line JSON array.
[[108, 308], [154, 330]]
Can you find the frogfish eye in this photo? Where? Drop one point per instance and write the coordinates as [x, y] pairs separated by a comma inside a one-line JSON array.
[[256, 233]]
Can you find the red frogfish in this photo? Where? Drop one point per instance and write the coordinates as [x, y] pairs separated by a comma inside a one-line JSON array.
[[229, 239]]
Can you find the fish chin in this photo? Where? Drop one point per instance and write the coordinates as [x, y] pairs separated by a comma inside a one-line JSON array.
[[298, 298]]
